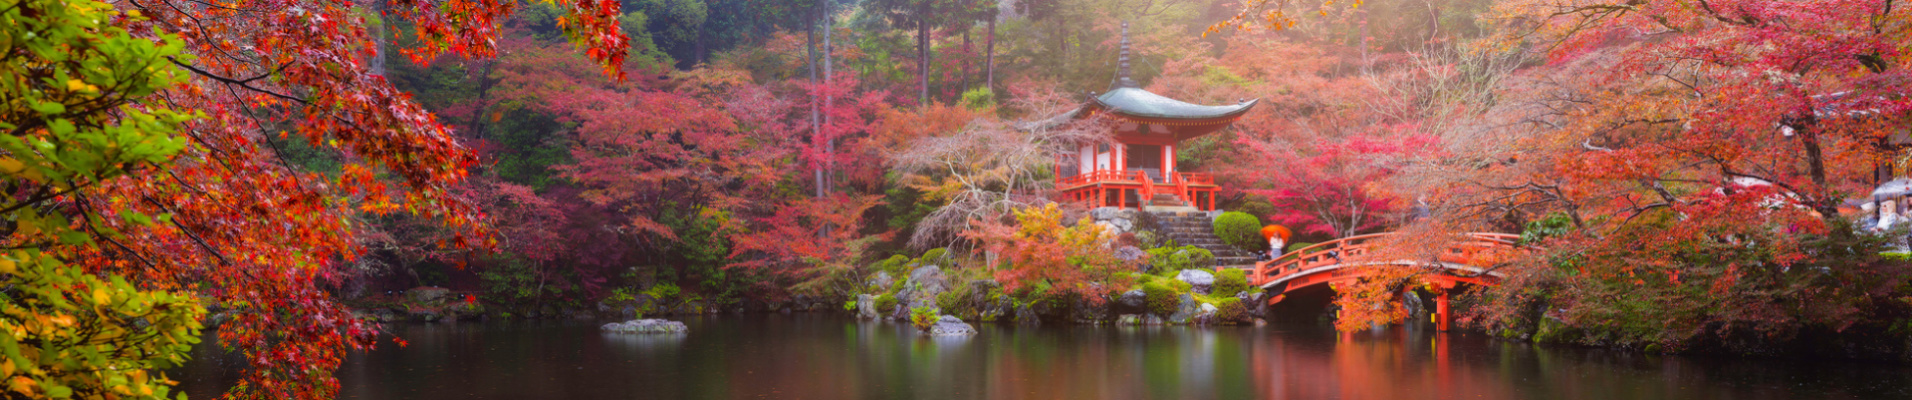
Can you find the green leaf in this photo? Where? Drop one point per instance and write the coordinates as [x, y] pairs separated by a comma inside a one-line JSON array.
[[48, 107]]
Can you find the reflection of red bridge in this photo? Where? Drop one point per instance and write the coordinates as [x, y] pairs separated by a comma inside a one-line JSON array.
[[1466, 259]]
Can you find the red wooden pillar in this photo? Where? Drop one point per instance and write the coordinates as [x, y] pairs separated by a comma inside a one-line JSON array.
[[1121, 198], [1440, 312], [1057, 168]]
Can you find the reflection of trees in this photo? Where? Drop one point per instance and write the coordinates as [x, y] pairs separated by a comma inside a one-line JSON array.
[[1396, 365], [826, 357]]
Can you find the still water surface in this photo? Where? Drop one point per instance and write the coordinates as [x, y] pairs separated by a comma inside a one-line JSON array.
[[833, 357]]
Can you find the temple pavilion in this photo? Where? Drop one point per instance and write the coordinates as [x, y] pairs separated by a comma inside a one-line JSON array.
[[1139, 170]]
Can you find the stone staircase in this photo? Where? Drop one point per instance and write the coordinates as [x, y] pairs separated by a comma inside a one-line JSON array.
[[1197, 228]]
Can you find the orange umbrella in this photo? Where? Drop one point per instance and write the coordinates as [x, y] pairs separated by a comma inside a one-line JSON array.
[[1271, 231]]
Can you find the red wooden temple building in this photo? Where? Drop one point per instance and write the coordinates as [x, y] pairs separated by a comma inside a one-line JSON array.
[[1139, 169]]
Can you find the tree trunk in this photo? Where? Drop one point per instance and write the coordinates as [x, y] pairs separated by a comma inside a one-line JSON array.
[[989, 60], [922, 58], [829, 145], [485, 83], [963, 85], [699, 54], [1827, 205], [379, 37], [816, 131]]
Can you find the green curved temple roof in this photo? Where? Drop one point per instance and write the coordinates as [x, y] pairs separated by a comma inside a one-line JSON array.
[[1142, 103]]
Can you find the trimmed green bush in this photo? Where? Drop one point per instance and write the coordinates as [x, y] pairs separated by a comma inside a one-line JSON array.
[[896, 264], [1231, 311], [1162, 298], [1179, 285], [933, 256], [886, 303], [1230, 282], [1240, 230]]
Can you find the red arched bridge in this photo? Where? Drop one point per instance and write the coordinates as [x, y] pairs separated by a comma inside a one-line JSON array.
[[1467, 258]]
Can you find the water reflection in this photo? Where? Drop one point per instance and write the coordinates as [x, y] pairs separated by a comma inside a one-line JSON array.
[[826, 357]]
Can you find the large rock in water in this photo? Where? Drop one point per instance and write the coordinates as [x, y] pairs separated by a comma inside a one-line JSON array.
[[429, 295], [1201, 280], [949, 326], [646, 326], [1257, 307], [866, 307], [1186, 311], [1206, 314], [1415, 310], [1132, 302], [1026, 314], [1083, 311], [920, 290]]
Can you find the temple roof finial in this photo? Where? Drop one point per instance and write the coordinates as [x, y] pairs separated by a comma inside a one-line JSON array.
[[1122, 63]]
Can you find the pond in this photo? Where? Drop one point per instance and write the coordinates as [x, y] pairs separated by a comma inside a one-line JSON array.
[[817, 356]]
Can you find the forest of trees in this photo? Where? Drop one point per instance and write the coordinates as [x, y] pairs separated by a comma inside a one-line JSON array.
[[1685, 172]]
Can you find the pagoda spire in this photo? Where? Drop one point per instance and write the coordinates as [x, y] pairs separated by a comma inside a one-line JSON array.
[[1122, 64]]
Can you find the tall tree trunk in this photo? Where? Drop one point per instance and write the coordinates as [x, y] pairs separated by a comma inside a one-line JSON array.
[[816, 129], [484, 97], [922, 58], [377, 64], [989, 60], [829, 146], [963, 85], [699, 54]]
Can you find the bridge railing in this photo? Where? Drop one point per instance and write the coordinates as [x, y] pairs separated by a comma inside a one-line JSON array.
[[1354, 247]]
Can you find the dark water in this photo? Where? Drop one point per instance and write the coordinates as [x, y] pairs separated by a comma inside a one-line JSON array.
[[832, 357]]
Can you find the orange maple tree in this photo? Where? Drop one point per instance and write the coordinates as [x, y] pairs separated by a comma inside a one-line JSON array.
[[260, 233]]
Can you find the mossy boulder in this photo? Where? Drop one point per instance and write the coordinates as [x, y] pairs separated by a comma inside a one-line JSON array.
[[1553, 330], [1230, 282]]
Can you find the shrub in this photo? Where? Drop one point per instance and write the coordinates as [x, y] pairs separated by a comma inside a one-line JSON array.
[[979, 98], [1162, 297], [934, 256], [1170, 260], [1179, 285], [664, 290], [885, 303], [1230, 282], [956, 300], [1147, 239], [1231, 311], [923, 318], [1240, 230], [894, 265]]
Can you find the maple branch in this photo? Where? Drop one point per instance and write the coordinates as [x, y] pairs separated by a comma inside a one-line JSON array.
[[43, 196], [188, 232], [244, 83], [276, 151]]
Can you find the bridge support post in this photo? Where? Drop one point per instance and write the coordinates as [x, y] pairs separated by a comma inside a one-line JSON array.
[[1440, 312]]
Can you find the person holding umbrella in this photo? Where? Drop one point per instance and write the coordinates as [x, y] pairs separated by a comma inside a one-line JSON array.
[[1277, 236]]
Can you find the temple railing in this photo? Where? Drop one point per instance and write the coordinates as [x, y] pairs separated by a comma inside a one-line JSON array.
[[1147, 192], [1180, 179], [1104, 175], [1196, 178]]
